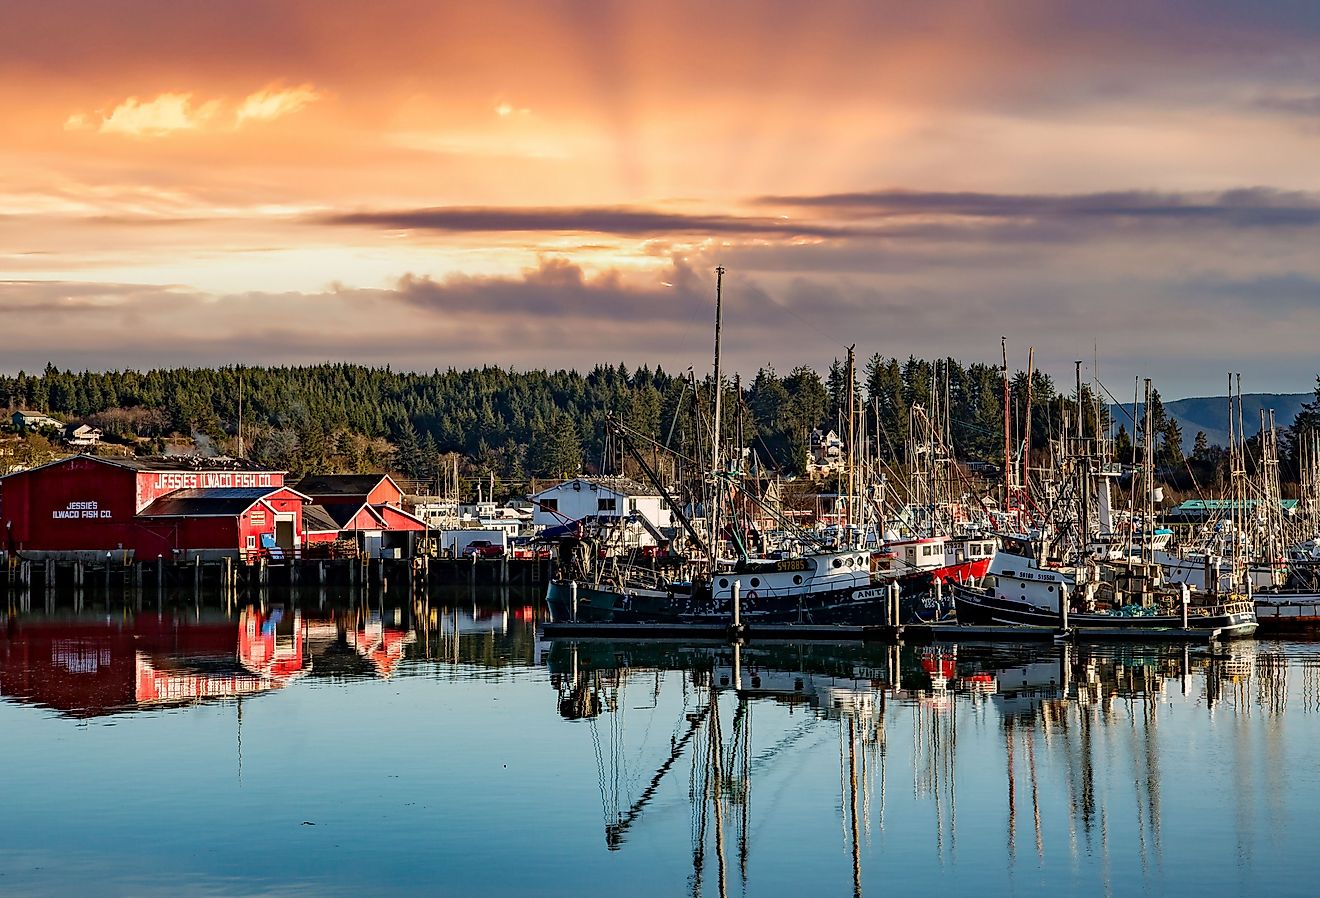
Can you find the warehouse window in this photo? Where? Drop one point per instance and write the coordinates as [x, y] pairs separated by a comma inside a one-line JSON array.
[[607, 504], [251, 541], [259, 518], [550, 505]]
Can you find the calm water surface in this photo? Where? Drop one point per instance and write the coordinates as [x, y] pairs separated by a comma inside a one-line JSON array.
[[445, 750]]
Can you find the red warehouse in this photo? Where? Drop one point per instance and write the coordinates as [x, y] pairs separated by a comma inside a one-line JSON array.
[[148, 508]]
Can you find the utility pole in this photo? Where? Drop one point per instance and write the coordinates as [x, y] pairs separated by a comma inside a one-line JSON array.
[[240, 414]]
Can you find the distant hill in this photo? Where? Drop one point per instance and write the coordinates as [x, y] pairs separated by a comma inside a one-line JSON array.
[[1210, 413]]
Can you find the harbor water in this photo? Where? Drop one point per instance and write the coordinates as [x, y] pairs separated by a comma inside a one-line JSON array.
[[331, 746]]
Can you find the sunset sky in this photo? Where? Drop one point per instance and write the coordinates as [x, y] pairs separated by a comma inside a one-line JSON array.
[[550, 184]]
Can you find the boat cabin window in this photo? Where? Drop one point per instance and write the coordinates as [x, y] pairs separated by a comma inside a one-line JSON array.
[[927, 550], [1008, 574], [912, 554]]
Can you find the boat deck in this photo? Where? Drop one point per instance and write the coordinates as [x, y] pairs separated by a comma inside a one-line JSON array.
[[915, 633]]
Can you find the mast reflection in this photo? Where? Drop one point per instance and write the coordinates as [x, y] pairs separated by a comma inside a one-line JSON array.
[[1080, 744]]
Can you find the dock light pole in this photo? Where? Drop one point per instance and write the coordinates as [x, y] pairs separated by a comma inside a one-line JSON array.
[[572, 598], [1186, 602], [737, 604], [1063, 605]]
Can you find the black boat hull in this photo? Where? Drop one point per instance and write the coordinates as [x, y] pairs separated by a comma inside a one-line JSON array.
[[975, 607], [857, 605]]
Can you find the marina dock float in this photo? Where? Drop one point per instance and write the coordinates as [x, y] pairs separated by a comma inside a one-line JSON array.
[[915, 633]]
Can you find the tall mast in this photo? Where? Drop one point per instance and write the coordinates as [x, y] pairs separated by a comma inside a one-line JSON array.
[[1083, 469], [1008, 430], [1148, 480], [1238, 548], [715, 441], [852, 441], [1026, 448]]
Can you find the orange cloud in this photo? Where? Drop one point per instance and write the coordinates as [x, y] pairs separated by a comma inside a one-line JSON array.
[[169, 113], [268, 103], [166, 114]]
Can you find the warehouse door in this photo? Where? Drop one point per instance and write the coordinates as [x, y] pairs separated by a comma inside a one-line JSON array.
[[284, 535]]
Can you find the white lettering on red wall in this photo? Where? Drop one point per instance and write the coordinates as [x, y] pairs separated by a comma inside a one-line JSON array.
[[76, 511], [204, 480]]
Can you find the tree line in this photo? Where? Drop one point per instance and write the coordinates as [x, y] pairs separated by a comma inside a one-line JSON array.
[[516, 425]]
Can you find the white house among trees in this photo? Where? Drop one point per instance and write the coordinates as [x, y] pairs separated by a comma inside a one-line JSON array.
[[605, 498]]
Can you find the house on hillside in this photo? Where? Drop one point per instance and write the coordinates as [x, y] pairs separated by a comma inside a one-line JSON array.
[[82, 435], [30, 422], [825, 454]]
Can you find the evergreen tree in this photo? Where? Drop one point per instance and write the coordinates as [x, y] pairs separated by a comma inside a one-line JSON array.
[[555, 449], [407, 452]]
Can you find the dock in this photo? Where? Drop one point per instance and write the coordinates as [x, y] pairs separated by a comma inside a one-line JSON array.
[[912, 633], [117, 575]]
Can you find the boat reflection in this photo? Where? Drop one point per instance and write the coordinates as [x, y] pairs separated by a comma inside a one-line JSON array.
[[1078, 722]]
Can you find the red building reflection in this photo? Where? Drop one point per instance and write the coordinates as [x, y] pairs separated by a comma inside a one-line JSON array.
[[87, 668]]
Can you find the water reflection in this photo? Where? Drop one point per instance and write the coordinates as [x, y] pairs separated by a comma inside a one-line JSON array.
[[89, 667], [89, 661], [653, 768], [1076, 723]]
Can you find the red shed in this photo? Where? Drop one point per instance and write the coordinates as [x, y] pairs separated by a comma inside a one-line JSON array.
[[356, 502], [351, 489]]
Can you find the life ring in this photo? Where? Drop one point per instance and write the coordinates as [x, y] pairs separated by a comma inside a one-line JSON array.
[[751, 593]]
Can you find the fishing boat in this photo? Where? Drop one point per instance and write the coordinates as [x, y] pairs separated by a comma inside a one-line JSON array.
[[1125, 596], [821, 587], [809, 583]]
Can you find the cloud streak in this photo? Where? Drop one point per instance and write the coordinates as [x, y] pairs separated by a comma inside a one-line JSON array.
[[619, 220], [1244, 207]]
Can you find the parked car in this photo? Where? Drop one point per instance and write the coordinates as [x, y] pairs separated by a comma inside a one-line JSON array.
[[482, 548]]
